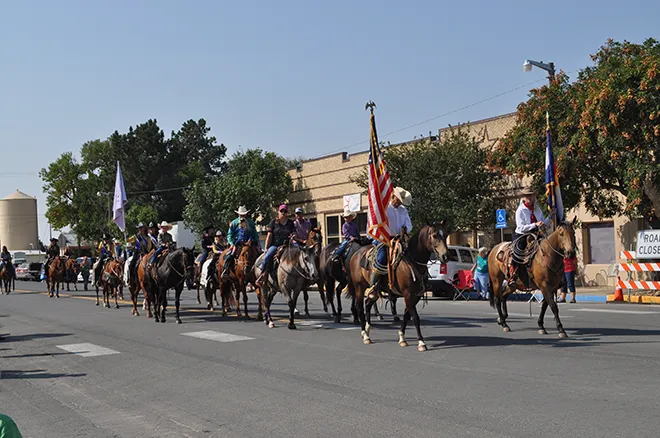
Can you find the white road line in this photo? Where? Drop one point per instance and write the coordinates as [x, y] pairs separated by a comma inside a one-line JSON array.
[[87, 350], [212, 335], [630, 312]]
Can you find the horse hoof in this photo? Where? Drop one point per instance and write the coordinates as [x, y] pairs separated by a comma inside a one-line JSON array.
[[57, 296], [403, 344], [542, 332], [97, 304], [422, 348], [563, 335], [380, 318], [199, 302], [291, 326], [337, 320], [506, 329], [271, 324], [178, 321], [367, 341], [162, 320], [116, 306], [397, 319], [295, 312]]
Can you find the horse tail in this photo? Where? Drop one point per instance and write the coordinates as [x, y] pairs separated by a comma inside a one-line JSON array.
[[491, 294]]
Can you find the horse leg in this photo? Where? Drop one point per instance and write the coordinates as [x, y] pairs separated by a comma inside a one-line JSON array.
[[306, 298], [359, 308], [260, 304], [270, 294], [544, 307], [501, 319], [411, 307], [133, 291], [177, 302], [245, 299], [116, 292], [238, 301], [367, 327], [377, 313], [555, 311], [505, 311], [394, 313], [163, 303], [324, 301], [197, 284], [329, 297], [354, 311], [293, 300]]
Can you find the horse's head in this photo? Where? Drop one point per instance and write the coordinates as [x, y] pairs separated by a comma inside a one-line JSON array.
[[307, 262], [249, 254], [566, 237], [315, 240], [188, 259], [434, 237]]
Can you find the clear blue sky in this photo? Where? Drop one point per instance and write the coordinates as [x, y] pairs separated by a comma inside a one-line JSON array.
[[288, 76]]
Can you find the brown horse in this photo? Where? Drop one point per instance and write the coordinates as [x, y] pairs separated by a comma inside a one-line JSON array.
[[407, 279], [72, 269], [55, 276], [546, 272], [8, 278], [315, 240], [239, 277], [111, 279]]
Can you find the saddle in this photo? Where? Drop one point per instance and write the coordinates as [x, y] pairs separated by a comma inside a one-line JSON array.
[[507, 253]]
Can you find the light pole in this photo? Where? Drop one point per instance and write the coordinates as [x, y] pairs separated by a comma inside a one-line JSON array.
[[549, 67]]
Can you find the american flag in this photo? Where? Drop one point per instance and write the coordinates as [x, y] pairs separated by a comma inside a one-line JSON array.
[[380, 190]]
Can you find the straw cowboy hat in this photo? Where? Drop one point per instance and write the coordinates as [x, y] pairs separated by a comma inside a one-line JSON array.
[[402, 195], [527, 191], [242, 210], [163, 225], [348, 213]]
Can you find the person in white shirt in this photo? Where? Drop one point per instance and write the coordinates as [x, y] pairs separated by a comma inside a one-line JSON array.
[[399, 220]]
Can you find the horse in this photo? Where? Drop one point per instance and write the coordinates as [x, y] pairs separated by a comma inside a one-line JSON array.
[[239, 277], [8, 278], [55, 276], [407, 278], [197, 280], [546, 272], [315, 240], [72, 269], [111, 279], [297, 266]]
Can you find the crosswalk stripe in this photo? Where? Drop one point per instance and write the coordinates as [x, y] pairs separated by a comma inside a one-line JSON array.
[[87, 350], [212, 335]]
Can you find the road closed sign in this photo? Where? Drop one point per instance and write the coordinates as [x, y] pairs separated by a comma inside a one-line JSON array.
[[648, 244]]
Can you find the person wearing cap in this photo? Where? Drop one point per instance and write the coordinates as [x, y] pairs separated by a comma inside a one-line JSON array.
[[250, 229], [399, 221], [529, 220], [237, 237], [280, 230], [349, 231], [303, 226], [207, 243], [52, 251]]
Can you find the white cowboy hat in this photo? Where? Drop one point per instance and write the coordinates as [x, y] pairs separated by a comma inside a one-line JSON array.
[[348, 213], [242, 210], [164, 224], [403, 195]]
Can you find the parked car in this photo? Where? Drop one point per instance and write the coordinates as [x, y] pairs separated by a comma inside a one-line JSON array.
[[29, 271], [79, 260], [441, 275]]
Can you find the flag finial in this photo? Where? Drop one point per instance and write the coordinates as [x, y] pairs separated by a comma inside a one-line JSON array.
[[547, 120], [370, 106]]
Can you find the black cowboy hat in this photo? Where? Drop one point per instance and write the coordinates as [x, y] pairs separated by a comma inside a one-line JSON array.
[[53, 239]]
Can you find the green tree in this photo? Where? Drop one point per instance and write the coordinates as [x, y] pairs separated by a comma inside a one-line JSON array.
[[254, 178], [447, 178], [605, 130]]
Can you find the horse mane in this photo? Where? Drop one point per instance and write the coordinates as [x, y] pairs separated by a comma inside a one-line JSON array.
[[291, 252]]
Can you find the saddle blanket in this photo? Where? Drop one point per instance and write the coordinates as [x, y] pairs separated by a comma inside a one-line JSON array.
[[203, 280], [127, 274]]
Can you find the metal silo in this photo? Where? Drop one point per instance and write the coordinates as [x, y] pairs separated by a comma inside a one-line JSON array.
[[18, 222]]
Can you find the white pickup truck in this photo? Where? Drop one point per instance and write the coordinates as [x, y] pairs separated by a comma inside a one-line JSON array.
[[441, 275]]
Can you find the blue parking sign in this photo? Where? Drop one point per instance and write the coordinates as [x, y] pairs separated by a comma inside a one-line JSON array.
[[500, 216]]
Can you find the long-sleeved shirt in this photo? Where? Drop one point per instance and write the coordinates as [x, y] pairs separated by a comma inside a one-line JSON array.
[[250, 231], [142, 244], [398, 218], [53, 250], [524, 222], [302, 228], [350, 230], [165, 238]]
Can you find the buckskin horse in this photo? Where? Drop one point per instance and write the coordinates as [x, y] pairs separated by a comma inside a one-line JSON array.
[[239, 277], [408, 273], [72, 269], [546, 272], [111, 279], [55, 276]]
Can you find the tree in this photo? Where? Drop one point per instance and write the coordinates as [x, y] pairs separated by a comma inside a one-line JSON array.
[[605, 133], [447, 179], [254, 178]]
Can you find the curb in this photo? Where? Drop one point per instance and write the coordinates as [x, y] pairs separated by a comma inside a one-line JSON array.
[[635, 299]]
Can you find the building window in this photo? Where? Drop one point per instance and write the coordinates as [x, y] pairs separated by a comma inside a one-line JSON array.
[[601, 243], [314, 221], [332, 227]]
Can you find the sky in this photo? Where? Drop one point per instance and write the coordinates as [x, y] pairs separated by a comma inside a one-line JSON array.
[[288, 76]]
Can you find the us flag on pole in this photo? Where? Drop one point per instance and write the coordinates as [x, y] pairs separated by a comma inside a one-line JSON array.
[[380, 189]]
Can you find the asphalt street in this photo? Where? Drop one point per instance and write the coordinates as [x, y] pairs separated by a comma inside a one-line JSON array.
[[71, 369]]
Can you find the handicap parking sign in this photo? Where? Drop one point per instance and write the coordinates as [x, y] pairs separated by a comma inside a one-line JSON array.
[[500, 216]]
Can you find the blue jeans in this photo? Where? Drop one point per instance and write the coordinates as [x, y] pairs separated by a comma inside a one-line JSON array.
[[159, 250], [205, 254], [481, 281], [268, 257], [381, 255], [342, 247], [570, 282]]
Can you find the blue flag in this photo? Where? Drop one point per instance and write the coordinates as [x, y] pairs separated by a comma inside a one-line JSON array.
[[553, 191]]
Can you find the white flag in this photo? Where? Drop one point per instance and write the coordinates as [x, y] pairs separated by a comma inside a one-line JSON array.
[[119, 202]]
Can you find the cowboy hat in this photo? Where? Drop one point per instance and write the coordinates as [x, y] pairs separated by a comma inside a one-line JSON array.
[[164, 224], [219, 234], [242, 210], [54, 239], [140, 225], [209, 227], [402, 195], [527, 191], [348, 213], [151, 224]]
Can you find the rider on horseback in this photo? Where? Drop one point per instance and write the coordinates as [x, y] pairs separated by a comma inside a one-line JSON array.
[[67, 252], [236, 238], [5, 259], [529, 221], [280, 230], [349, 231], [219, 245], [165, 240], [52, 251], [106, 249], [207, 243], [143, 246], [399, 220], [303, 226]]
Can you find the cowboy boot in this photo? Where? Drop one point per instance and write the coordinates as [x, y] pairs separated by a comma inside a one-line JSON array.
[[371, 291]]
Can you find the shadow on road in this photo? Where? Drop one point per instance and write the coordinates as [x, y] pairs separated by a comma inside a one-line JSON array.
[[551, 340], [32, 336], [612, 331], [34, 374], [22, 356]]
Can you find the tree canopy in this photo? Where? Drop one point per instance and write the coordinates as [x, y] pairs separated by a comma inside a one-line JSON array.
[[605, 130]]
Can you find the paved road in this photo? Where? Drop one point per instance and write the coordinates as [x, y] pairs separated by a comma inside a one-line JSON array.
[[228, 378]]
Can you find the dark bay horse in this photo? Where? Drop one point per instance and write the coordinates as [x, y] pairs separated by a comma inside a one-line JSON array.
[[315, 241], [72, 269], [111, 280], [55, 276], [171, 273], [545, 272], [8, 279], [408, 278], [239, 277]]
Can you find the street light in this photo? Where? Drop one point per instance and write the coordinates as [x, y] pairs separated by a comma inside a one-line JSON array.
[[550, 68]]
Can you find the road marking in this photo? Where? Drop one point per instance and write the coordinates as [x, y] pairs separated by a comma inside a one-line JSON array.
[[630, 312], [87, 350], [212, 335]]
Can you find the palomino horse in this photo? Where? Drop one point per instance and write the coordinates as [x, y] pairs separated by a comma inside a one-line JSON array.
[[55, 276], [315, 240], [239, 277], [407, 278], [546, 272], [111, 279], [8, 279], [297, 267], [72, 269]]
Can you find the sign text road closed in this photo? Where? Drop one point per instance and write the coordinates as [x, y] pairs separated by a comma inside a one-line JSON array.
[[648, 244]]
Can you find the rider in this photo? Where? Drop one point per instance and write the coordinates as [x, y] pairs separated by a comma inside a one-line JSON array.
[[349, 231], [67, 251], [529, 220], [5, 258], [106, 249], [303, 226], [218, 246], [143, 246], [279, 230], [399, 220], [52, 251], [240, 231], [207, 243], [164, 241]]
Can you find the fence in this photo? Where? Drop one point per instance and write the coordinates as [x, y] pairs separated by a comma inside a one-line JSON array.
[[631, 267]]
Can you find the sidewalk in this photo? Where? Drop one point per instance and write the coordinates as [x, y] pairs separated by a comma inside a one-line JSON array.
[[600, 294]]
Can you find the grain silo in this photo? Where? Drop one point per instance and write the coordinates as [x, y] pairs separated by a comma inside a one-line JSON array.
[[18, 222]]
